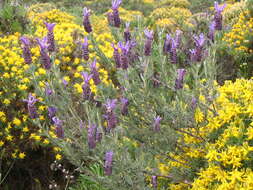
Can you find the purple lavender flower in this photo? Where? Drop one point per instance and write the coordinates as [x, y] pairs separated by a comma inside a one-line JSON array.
[[85, 49], [194, 103], [167, 44], [218, 15], [50, 36], [92, 136], [180, 79], [110, 19], [124, 106], [116, 56], [59, 129], [86, 20], [154, 182], [173, 51], [51, 112], [95, 73], [110, 105], [64, 82], [98, 135], [108, 163], [110, 116], [115, 12], [26, 50], [124, 56], [148, 43], [211, 32], [31, 106], [178, 38], [156, 125], [127, 34], [87, 94], [45, 59], [48, 90], [197, 53]]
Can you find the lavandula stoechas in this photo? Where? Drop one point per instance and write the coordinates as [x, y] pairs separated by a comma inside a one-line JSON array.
[[58, 127], [218, 15], [124, 106], [108, 163], [50, 36], [173, 51], [110, 19], [110, 115], [115, 12], [94, 72], [85, 49], [26, 50], [51, 112], [180, 79], [156, 124], [167, 44], [31, 100], [45, 59], [148, 42], [116, 56], [87, 94], [211, 32], [92, 136], [154, 182], [86, 20], [127, 34], [48, 90], [197, 52], [124, 56]]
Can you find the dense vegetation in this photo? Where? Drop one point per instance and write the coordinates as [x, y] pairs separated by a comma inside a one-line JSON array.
[[138, 94]]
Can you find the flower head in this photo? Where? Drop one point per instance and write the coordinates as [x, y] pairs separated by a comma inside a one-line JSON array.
[[50, 26], [116, 4], [108, 163], [148, 33], [219, 8], [110, 105], [180, 78]]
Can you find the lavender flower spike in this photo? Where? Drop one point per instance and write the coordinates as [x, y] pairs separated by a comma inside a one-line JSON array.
[[156, 125], [167, 44], [124, 106], [95, 73], [86, 20], [127, 34], [51, 112], [196, 54], [50, 36], [173, 51], [45, 59], [115, 12], [87, 94], [108, 163], [85, 49], [180, 78], [48, 90], [110, 105], [31, 106], [26, 50], [92, 136], [199, 40], [116, 56], [154, 182], [211, 32], [148, 43], [124, 57], [218, 15], [59, 129]]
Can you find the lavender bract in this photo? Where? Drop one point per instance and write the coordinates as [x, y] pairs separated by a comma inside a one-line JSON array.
[[127, 34], [87, 94], [115, 12], [148, 43], [92, 136], [179, 79], [58, 127], [85, 49], [50, 36], [197, 52], [86, 20], [116, 56], [211, 31], [218, 15], [124, 106], [31, 100], [124, 56], [45, 59], [51, 112], [156, 125], [26, 50], [110, 19], [95, 73], [108, 163]]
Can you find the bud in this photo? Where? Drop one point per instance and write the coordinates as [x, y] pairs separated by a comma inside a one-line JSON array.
[[26, 50], [50, 36], [218, 15], [31, 106], [148, 43], [86, 20], [85, 49], [45, 59], [115, 12], [59, 129], [127, 34]]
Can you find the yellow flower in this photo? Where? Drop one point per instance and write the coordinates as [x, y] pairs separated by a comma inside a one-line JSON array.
[[16, 121], [58, 157], [1, 143], [6, 101], [21, 155]]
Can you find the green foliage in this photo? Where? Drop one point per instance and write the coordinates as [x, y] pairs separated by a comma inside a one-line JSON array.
[[13, 18]]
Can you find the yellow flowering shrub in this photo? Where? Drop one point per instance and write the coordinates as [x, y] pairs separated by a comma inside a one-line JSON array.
[[232, 11], [172, 3], [219, 153], [240, 37]]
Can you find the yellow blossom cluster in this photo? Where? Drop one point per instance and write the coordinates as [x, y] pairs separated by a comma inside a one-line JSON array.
[[220, 150], [171, 17], [232, 11], [240, 36]]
